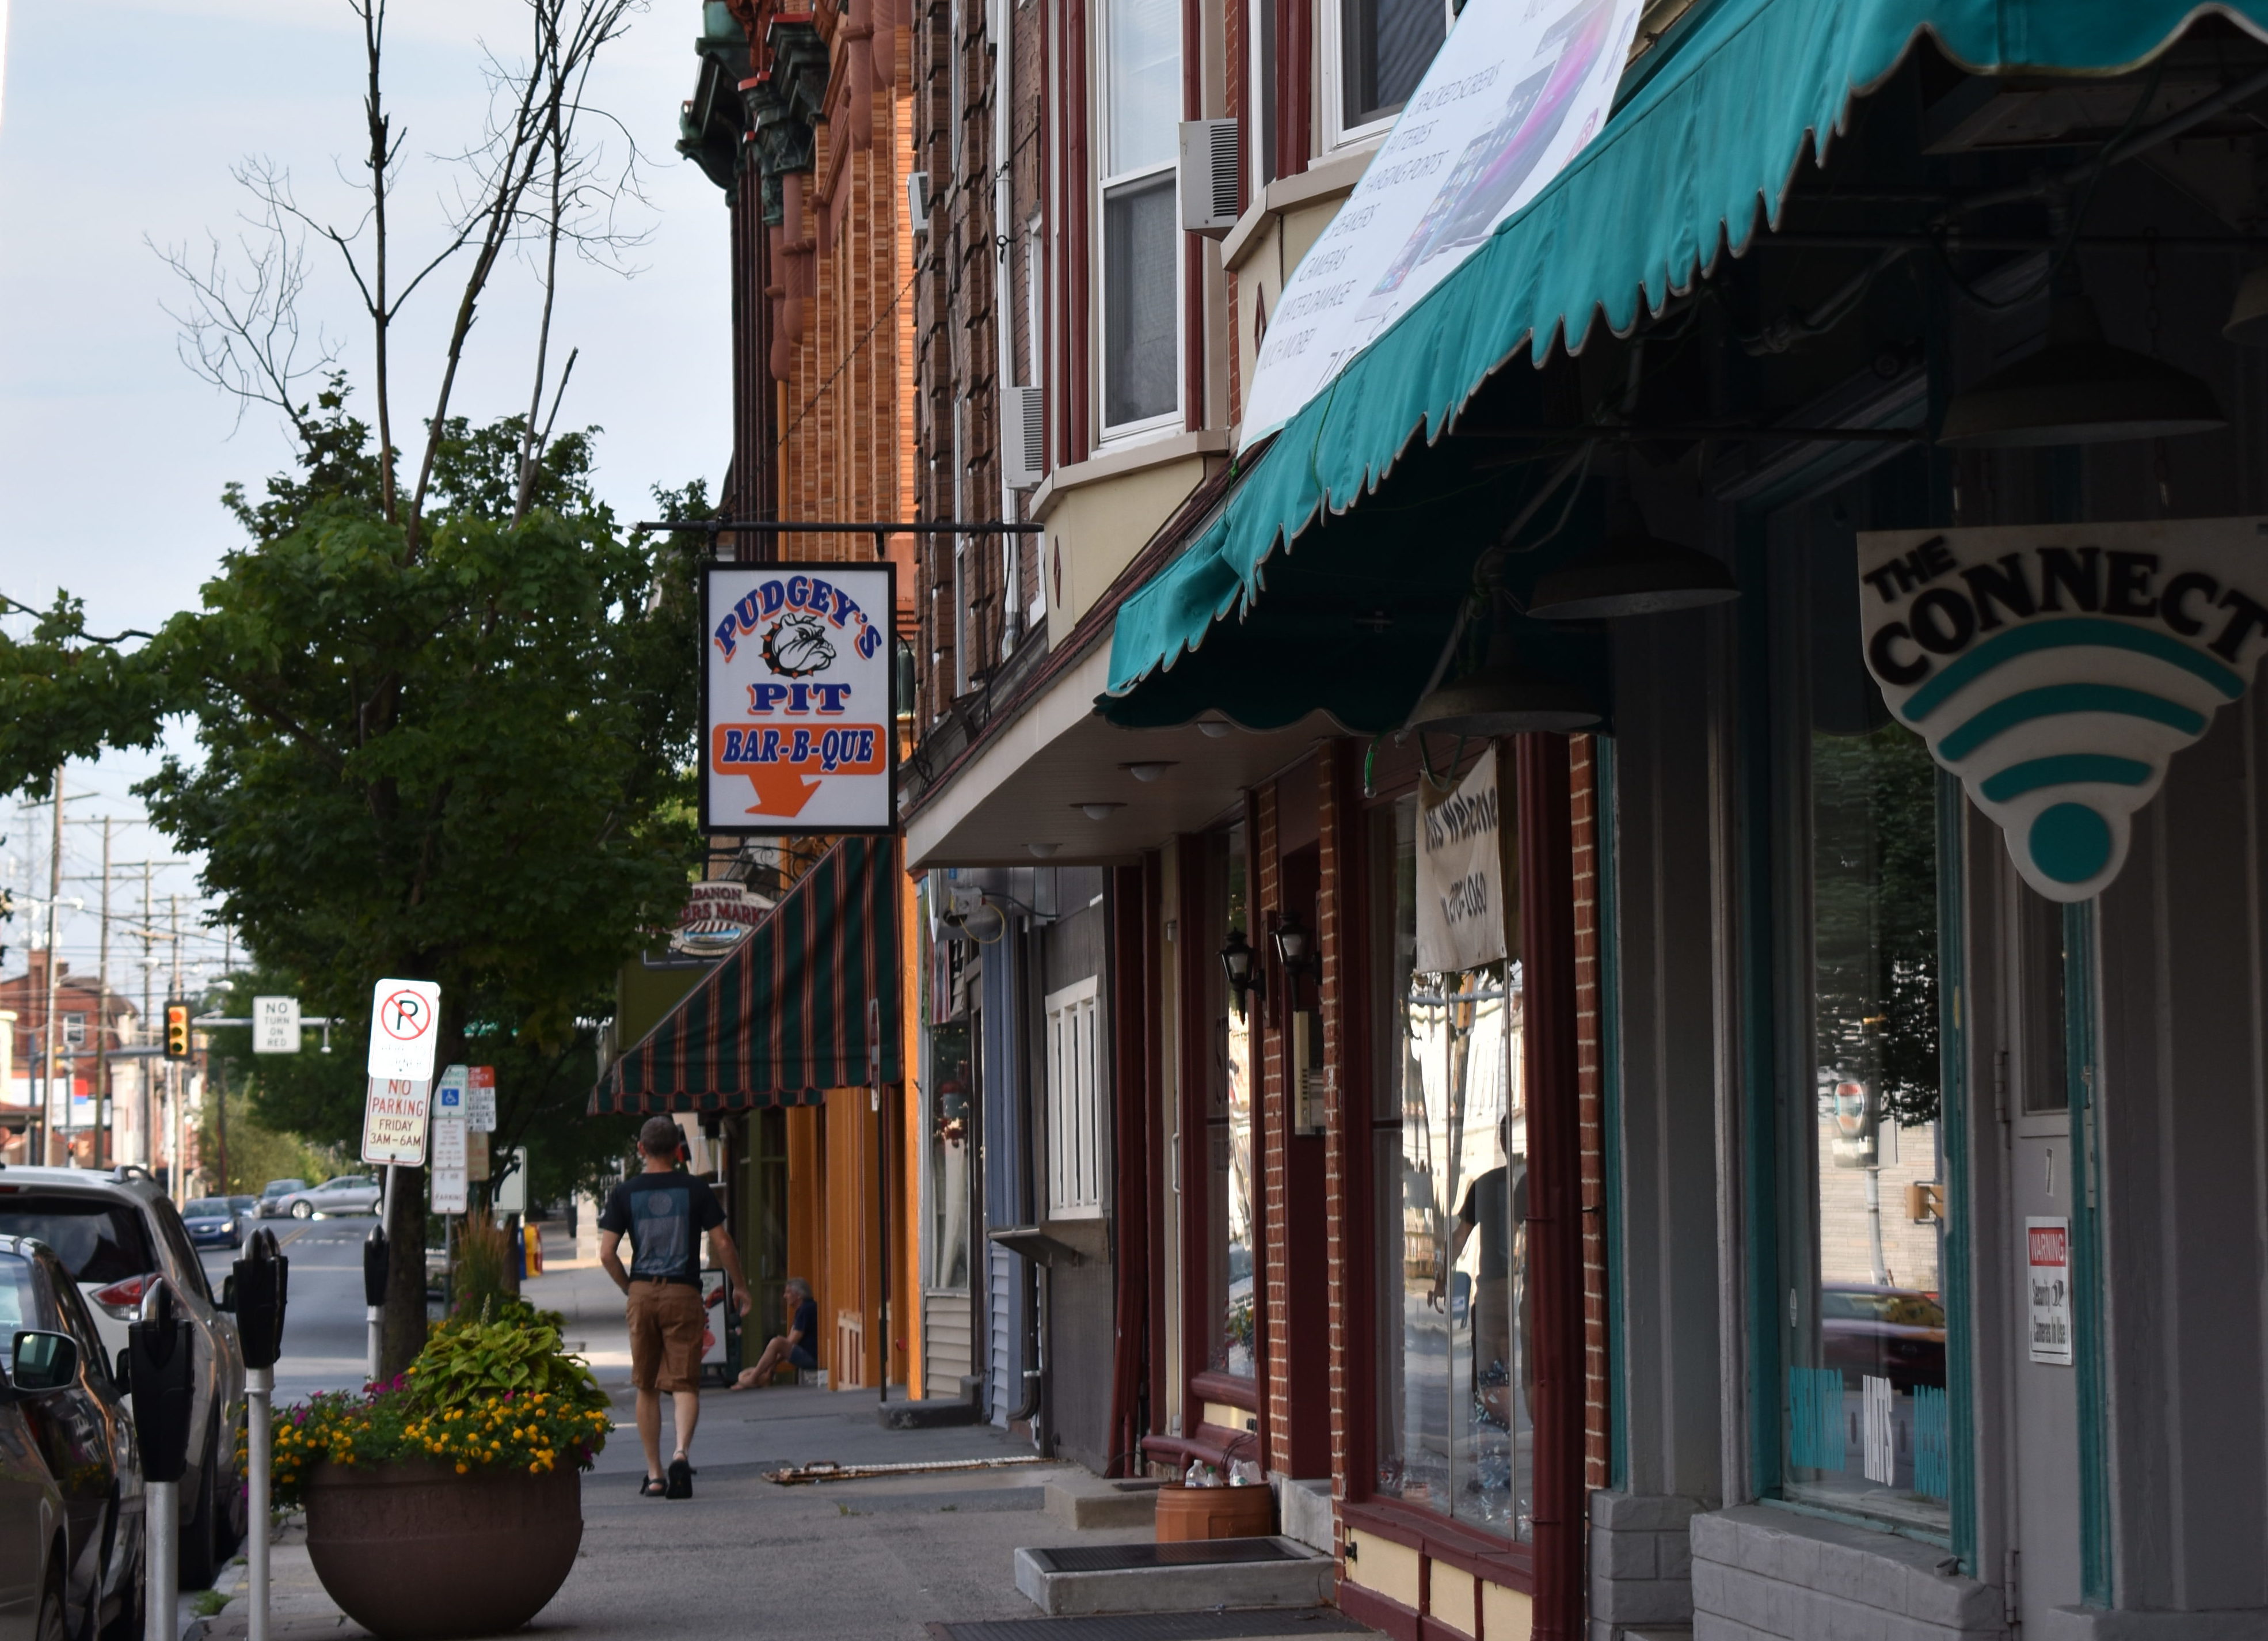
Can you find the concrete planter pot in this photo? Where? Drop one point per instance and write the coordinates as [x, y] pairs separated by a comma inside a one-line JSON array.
[[415, 1552]]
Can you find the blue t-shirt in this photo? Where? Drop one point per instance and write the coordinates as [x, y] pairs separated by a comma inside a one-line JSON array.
[[805, 1328], [663, 1216]]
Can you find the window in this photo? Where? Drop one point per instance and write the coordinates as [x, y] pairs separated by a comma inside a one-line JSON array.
[[951, 1105], [1141, 86], [1228, 1128], [1075, 1147], [1862, 1308], [1448, 1139], [1383, 50], [74, 1031]]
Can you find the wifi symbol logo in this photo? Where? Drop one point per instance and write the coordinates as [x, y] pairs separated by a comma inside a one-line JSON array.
[[2058, 680]]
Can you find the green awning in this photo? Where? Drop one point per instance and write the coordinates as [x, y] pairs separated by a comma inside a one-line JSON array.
[[1695, 161], [783, 1017]]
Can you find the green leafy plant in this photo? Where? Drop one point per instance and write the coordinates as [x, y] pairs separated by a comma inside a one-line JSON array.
[[495, 1393]]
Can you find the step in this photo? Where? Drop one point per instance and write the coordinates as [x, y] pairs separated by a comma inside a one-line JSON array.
[[1268, 1572], [1078, 1499], [934, 1412]]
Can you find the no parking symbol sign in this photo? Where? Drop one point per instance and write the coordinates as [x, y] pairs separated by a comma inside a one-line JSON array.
[[404, 1024]]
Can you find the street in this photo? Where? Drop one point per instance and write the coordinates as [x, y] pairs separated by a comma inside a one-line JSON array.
[[324, 1336]]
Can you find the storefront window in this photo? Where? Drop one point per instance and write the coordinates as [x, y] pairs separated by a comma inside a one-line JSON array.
[[1867, 1421], [1457, 1414], [1230, 1124], [950, 1108]]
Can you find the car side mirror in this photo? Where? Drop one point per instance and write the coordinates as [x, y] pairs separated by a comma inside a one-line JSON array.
[[123, 1373], [44, 1362], [227, 1300]]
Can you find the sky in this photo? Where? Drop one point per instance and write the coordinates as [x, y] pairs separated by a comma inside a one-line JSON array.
[[112, 456]]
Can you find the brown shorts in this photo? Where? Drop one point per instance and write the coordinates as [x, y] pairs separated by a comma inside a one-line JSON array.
[[665, 1323]]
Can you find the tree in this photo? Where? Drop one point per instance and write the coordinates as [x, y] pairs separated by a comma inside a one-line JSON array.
[[468, 763], [443, 727]]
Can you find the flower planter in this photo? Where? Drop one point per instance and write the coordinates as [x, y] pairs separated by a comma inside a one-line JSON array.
[[412, 1551], [1185, 1513]]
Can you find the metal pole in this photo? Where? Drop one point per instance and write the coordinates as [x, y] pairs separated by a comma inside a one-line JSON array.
[[104, 1149], [177, 1177], [161, 1536], [47, 1027], [259, 1386], [375, 1314], [881, 1180], [149, 1134]]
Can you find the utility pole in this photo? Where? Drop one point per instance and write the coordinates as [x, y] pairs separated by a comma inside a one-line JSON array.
[[148, 1104], [218, 1077], [177, 1178], [104, 1149], [47, 1026]]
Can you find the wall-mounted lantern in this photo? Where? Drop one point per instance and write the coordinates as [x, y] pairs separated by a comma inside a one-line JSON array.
[[1236, 966]]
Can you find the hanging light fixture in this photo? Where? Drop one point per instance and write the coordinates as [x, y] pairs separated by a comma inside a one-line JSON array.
[[1632, 573], [2079, 390], [1505, 700], [1236, 967], [2248, 315]]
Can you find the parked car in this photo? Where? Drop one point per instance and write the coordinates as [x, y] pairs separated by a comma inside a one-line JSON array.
[[213, 1222], [71, 1479], [348, 1194], [272, 1195], [1897, 1334], [114, 1233]]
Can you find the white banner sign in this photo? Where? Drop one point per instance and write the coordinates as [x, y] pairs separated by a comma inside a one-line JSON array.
[[480, 1099], [404, 1024], [450, 1190], [2057, 669], [2047, 1261], [1517, 91], [276, 1026], [394, 1121], [1460, 907], [799, 730]]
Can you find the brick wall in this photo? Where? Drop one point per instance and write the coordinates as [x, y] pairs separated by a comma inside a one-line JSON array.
[[1590, 1108], [1275, 1118]]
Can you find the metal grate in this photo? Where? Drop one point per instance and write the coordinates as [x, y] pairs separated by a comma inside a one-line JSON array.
[[1213, 1626], [1192, 1553]]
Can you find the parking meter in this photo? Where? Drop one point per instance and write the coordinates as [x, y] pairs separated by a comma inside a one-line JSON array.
[[160, 1371], [259, 1286], [160, 1368], [373, 1292]]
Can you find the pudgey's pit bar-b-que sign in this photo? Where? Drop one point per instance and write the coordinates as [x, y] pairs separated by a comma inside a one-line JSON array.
[[799, 731], [2057, 669]]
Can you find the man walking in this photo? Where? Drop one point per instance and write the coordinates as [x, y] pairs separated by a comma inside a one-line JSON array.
[[663, 1212]]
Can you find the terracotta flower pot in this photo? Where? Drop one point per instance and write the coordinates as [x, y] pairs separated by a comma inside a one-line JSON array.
[[1185, 1513], [415, 1552]]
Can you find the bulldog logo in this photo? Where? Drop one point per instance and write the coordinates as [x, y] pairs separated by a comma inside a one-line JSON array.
[[796, 645]]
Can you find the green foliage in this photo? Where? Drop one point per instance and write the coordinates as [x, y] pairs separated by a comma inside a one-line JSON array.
[[467, 762], [479, 1280], [257, 1153], [467, 1360]]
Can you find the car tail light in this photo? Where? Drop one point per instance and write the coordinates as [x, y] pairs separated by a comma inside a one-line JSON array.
[[124, 1299]]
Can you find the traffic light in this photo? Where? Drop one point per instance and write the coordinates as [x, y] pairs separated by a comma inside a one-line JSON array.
[[177, 1030]]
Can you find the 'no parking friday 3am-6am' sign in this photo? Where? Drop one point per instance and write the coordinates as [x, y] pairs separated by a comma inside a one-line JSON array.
[[2057, 669], [799, 725]]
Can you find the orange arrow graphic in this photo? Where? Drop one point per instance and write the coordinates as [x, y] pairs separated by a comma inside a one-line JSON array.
[[780, 790]]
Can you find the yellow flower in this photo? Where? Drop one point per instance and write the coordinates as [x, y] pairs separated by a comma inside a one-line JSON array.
[[460, 1467]]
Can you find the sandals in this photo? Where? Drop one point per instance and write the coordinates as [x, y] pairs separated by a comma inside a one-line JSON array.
[[652, 1487], [681, 1479]]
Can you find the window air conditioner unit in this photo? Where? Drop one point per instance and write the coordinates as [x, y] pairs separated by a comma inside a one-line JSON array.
[[918, 201], [1209, 176], [1023, 436]]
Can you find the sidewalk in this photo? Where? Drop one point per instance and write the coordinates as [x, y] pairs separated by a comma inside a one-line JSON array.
[[879, 1558]]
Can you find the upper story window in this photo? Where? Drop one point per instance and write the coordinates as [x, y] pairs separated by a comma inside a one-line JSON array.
[[1140, 81], [1381, 50]]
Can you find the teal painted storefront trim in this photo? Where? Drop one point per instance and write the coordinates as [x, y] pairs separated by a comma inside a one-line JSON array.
[[1610, 1112], [1759, 1046], [2081, 1016], [1699, 158], [1953, 1134]]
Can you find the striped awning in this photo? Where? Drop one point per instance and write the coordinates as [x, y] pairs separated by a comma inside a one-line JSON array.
[[784, 1018]]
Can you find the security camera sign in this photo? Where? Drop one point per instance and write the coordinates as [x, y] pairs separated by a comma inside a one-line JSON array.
[[404, 1027], [799, 733]]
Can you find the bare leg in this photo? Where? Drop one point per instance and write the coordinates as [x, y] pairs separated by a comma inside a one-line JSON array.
[[649, 1423], [688, 1415], [766, 1365]]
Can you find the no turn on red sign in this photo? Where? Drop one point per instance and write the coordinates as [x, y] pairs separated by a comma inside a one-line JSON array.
[[404, 1026]]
